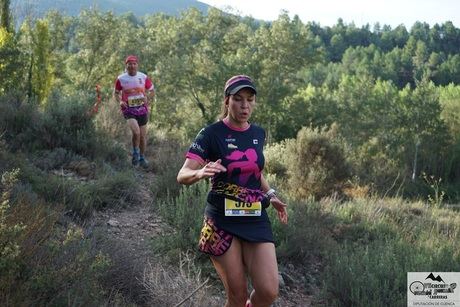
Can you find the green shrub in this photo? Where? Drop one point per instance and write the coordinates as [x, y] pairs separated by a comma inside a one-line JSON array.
[[316, 164], [66, 124], [41, 262], [373, 165], [275, 158], [375, 275], [10, 250], [298, 240], [66, 270], [168, 158], [184, 213], [113, 190], [63, 123], [379, 241], [79, 196], [20, 125]]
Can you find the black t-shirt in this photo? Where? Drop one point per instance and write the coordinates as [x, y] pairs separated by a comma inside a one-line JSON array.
[[241, 152]]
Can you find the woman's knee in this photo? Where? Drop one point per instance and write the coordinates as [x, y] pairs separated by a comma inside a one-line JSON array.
[[267, 292], [237, 296], [237, 290]]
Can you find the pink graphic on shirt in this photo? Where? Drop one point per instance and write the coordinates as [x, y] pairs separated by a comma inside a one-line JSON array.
[[247, 167]]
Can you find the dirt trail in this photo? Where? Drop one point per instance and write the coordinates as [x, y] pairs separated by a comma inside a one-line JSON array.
[[135, 225], [129, 232]]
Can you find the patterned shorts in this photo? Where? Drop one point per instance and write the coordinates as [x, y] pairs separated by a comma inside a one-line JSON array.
[[214, 241]]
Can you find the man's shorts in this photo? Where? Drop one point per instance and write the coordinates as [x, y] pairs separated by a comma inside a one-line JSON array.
[[141, 119]]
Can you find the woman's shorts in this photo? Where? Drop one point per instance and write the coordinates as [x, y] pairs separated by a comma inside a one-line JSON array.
[[214, 241]]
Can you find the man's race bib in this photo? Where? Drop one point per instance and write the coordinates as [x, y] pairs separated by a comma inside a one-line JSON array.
[[135, 101], [241, 208]]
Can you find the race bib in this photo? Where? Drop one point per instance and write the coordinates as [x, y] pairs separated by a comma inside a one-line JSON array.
[[241, 208], [135, 101]]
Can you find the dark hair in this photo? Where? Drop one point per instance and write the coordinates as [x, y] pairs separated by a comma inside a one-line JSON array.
[[224, 110]]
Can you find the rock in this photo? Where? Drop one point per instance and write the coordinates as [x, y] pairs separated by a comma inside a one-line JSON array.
[[113, 223], [281, 281], [82, 168], [288, 279]]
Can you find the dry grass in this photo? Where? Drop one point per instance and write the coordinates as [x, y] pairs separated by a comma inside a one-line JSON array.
[[110, 120], [184, 285]]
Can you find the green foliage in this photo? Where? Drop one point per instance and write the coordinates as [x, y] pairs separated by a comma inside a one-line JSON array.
[[41, 263], [437, 196], [70, 270], [11, 63], [316, 163], [10, 250], [62, 123], [373, 275], [381, 87], [375, 165], [280, 56], [113, 190], [35, 42], [382, 126], [382, 240], [94, 59], [169, 157], [5, 15], [450, 114], [183, 212], [19, 123], [66, 124], [298, 241], [275, 158], [42, 71], [450, 104], [421, 124]]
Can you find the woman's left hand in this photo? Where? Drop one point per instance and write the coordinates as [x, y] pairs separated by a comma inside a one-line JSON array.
[[281, 209]]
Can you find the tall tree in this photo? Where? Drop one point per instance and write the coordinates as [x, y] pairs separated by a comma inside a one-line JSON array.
[[422, 129], [5, 17], [9, 57], [97, 58], [282, 49], [10, 54], [42, 72]]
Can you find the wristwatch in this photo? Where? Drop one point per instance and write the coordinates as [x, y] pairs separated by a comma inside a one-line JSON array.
[[270, 194]]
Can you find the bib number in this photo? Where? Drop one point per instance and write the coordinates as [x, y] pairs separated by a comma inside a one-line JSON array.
[[241, 208], [136, 101]]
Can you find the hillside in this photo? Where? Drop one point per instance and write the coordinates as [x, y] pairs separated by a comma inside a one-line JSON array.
[[362, 142], [138, 7]]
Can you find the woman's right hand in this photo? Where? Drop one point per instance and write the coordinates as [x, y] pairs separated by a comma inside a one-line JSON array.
[[210, 169], [192, 171]]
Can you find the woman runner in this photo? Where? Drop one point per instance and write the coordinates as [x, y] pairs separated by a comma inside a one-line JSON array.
[[236, 230]]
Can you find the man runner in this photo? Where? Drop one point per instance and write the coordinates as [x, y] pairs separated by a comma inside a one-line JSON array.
[[133, 91]]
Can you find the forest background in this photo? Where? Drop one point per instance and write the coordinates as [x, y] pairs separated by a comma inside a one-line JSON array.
[[363, 141]]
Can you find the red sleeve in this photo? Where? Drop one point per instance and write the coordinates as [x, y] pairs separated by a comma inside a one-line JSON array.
[[118, 85], [148, 84]]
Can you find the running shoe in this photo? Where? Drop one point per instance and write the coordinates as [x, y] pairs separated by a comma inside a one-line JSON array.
[[135, 160], [143, 162]]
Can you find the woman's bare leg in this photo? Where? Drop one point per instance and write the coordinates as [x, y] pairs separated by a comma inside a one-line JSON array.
[[231, 270]]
